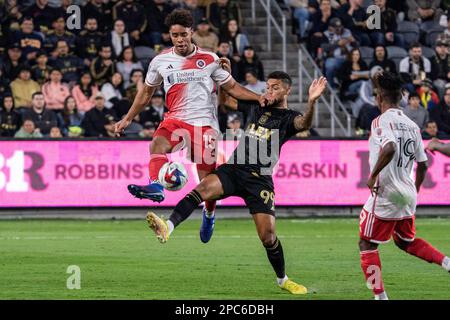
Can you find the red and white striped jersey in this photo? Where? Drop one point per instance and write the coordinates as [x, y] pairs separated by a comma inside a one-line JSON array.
[[397, 195], [189, 83]]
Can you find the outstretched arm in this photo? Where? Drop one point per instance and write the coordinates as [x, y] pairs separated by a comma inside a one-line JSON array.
[[436, 145], [315, 91]]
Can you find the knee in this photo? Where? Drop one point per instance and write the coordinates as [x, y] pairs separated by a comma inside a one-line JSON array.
[[365, 245], [268, 238], [159, 146], [204, 192]]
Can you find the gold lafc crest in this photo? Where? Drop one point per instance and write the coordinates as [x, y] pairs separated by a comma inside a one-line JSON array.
[[264, 118]]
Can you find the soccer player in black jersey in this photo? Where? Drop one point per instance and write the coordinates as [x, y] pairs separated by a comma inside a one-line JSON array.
[[248, 171]]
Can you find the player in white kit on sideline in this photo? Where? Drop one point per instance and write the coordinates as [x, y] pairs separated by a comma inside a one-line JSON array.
[[395, 144]]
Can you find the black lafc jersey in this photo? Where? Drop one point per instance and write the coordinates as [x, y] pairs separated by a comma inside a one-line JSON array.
[[267, 130]]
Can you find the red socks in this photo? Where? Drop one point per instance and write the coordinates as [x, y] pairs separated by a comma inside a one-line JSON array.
[[371, 266], [423, 250], [156, 162]]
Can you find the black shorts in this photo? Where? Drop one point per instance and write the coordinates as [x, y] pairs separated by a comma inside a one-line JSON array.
[[256, 190]]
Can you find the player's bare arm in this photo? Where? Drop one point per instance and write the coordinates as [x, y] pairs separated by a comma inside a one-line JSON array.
[[386, 155], [316, 89], [421, 170], [142, 98], [436, 145]]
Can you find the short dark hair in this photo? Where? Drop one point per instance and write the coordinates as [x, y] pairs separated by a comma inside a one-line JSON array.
[[430, 122], [388, 85], [181, 17], [37, 93], [415, 45], [280, 75]]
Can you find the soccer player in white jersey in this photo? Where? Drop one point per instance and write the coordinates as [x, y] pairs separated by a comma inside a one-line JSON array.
[[395, 143], [189, 75]]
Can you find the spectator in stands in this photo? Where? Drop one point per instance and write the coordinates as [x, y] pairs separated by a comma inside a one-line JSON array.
[[55, 92], [157, 11], [204, 38], [441, 115], [238, 41], [252, 82], [85, 93], [69, 64], [43, 119], [113, 90], [133, 15], [55, 133], [224, 50], [337, 42], [127, 62], [319, 24], [148, 130], [440, 67], [353, 73], [59, 33], [89, 41], [197, 12], [11, 18], [119, 38], [248, 61], [10, 119], [234, 126], [137, 81], [428, 96], [4, 85], [366, 94], [424, 10], [134, 129], [11, 64], [153, 114], [69, 120], [415, 68], [42, 15], [29, 40], [415, 111], [380, 58], [97, 122], [354, 17], [302, 12], [432, 131], [220, 12], [23, 88], [100, 11], [28, 130], [386, 36], [103, 67], [41, 70]]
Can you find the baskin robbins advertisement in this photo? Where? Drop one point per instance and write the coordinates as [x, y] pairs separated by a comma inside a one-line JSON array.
[[96, 173]]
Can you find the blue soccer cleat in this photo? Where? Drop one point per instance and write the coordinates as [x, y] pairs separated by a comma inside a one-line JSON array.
[[207, 227], [154, 191]]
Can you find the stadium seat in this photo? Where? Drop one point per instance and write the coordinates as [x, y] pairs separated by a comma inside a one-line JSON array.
[[410, 32], [143, 53], [396, 54], [429, 25], [428, 52], [367, 54], [432, 35]]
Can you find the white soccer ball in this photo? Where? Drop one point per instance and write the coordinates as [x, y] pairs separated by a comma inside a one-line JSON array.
[[173, 176]]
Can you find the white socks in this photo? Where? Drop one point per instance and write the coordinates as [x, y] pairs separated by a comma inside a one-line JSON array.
[[446, 264], [281, 281], [381, 296], [170, 226]]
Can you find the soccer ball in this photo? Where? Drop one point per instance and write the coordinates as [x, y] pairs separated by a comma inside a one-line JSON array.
[[173, 176]]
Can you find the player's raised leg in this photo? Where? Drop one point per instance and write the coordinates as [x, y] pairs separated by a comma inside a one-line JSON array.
[[159, 148], [210, 188], [265, 226]]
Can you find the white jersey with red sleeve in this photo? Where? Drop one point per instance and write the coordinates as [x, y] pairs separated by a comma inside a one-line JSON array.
[[397, 196], [189, 83]]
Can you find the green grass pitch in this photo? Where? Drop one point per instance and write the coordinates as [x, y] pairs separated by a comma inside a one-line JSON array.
[[123, 260]]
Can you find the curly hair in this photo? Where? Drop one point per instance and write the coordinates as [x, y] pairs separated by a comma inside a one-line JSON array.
[[388, 85], [181, 17]]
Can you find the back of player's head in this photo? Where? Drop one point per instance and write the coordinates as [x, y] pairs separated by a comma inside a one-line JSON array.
[[280, 75], [388, 86], [181, 17]]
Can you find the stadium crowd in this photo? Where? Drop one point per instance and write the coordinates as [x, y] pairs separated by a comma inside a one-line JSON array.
[[412, 40], [56, 82]]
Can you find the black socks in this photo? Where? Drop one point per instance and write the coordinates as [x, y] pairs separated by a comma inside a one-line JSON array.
[[276, 258], [185, 207]]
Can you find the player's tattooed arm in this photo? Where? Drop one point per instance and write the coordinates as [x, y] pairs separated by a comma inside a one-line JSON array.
[[421, 170], [142, 98], [316, 89], [386, 155]]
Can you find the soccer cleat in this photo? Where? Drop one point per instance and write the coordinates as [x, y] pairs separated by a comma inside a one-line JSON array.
[[207, 227], [154, 191], [293, 287], [159, 227]]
